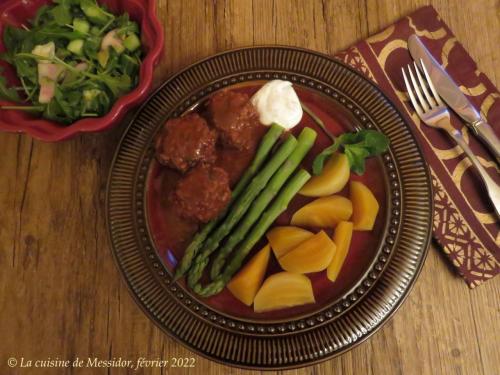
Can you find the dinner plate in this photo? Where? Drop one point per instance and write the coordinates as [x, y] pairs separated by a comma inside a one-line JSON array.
[[381, 267]]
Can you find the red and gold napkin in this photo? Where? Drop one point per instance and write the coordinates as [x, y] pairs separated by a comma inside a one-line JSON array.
[[465, 226]]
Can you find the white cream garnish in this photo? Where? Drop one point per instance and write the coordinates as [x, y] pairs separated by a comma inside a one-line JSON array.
[[277, 102]]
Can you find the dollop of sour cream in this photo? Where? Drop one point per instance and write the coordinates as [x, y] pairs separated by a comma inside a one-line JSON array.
[[277, 102]]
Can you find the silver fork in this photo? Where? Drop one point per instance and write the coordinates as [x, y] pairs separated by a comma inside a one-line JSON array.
[[433, 112]]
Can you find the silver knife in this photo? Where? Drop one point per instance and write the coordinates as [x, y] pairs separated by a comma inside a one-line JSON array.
[[450, 92]]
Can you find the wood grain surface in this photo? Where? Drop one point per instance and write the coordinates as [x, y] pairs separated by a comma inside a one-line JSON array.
[[61, 294]]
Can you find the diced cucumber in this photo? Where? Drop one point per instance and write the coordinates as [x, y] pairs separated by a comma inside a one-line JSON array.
[[90, 98], [129, 65], [118, 47], [132, 42], [91, 94], [76, 47], [103, 57], [94, 12], [81, 25]]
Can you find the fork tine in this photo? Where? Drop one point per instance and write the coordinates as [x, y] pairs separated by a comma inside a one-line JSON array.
[[410, 92], [423, 85], [431, 85], [418, 90]]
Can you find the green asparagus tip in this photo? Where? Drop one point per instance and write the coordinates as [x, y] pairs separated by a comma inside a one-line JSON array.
[[309, 132]]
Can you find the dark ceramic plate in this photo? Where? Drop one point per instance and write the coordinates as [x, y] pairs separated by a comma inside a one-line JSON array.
[[381, 267]]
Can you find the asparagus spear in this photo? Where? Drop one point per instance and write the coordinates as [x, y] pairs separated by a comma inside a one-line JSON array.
[[263, 151], [239, 208], [259, 229], [306, 140]]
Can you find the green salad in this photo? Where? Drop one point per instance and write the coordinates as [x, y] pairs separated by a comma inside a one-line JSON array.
[[74, 60]]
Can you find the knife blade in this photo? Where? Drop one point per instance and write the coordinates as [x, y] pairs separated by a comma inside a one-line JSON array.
[[453, 96]]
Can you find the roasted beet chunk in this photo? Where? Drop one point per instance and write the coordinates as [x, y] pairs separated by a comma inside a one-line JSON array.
[[186, 141], [202, 193], [234, 117]]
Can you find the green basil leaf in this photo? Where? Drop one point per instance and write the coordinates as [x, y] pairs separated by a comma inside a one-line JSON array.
[[375, 142], [8, 93], [356, 156], [357, 146], [320, 159]]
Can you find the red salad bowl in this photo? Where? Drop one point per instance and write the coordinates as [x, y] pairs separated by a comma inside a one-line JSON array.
[[19, 12]]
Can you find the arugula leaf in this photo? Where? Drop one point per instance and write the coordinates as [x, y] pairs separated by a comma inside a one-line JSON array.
[[7, 93], [50, 33], [26, 68], [7, 57], [13, 37], [66, 109], [357, 146], [42, 15], [61, 14], [124, 26], [53, 111], [129, 65], [117, 85]]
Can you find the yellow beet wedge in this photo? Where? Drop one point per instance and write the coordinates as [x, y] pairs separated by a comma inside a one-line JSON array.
[[332, 179], [284, 239], [245, 284], [342, 238], [283, 290], [323, 212], [312, 255], [364, 206]]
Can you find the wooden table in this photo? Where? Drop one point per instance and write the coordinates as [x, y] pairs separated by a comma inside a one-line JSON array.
[[61, 294]]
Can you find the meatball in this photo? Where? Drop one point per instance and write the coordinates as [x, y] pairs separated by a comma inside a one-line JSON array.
[[235, 118], [202, 193], [186, 141]]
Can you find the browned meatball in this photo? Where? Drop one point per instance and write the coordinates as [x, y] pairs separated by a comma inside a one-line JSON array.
[[235, 118], [202, 193], [186, 141]]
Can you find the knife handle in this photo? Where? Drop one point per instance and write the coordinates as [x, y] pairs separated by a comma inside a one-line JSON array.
[[492, 188], [488, 136]]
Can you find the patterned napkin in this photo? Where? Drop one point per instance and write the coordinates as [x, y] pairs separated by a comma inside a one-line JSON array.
[[465, 226]]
